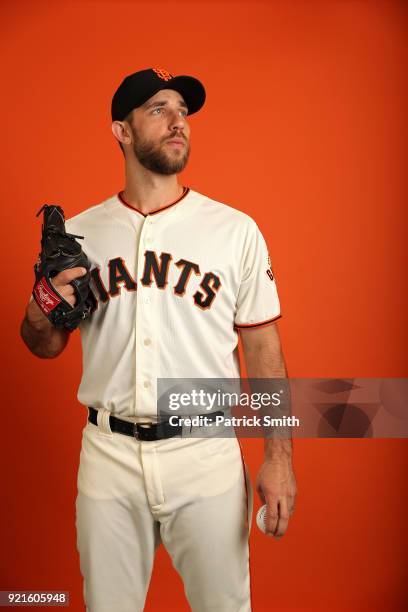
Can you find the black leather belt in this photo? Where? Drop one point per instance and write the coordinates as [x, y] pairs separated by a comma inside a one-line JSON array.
[[144, 431]]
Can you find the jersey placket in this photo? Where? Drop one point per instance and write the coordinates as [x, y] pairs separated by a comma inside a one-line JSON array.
[[146, 339]]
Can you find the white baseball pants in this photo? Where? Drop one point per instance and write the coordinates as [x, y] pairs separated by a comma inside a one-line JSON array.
[[192, 494]]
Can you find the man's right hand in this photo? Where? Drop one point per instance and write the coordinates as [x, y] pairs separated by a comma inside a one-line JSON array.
[[37, 332], [61, 283]]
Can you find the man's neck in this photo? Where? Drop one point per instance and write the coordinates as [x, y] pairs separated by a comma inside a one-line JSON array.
[[148, 191]]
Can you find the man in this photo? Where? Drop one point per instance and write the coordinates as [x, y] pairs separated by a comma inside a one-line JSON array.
[[176, 275]]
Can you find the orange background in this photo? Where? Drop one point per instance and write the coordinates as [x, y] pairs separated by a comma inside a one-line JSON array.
[[305, 129]]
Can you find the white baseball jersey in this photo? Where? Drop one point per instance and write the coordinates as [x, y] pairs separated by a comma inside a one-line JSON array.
[[173, 287]]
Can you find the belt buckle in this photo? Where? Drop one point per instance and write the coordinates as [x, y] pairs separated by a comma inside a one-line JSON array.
[[143, 425]]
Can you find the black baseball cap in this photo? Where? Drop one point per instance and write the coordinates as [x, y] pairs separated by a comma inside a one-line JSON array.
[[138, 87]]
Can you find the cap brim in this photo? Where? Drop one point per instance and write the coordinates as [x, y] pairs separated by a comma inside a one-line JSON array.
[[191, 89]]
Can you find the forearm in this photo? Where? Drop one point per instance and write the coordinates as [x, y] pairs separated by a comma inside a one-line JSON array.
[[40, 336], [267, 373], [268, 363], [265, 362]]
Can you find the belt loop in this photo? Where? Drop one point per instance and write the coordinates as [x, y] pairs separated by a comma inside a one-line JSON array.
[[103, 423]]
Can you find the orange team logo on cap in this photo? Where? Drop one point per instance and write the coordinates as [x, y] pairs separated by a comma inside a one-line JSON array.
[[163, 74]]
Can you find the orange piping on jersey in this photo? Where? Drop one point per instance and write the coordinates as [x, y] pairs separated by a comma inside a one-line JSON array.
[[249, 325], [153, 212]]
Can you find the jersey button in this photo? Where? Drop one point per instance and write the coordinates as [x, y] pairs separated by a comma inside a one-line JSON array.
[[146, 384], [147, 341]]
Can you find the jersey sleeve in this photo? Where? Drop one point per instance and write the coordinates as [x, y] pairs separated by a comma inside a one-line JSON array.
[[258, 302]]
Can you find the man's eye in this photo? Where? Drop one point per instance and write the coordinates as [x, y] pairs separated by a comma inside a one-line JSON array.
[[158, 111]]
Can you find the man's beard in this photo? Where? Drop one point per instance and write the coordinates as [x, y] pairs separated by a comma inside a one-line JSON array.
[[154, 157]]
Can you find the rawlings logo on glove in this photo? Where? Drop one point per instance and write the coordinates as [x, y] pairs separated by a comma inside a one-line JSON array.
[[60, 251], [44, 295]]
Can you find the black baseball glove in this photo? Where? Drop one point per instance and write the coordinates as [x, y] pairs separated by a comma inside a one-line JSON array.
[[60, 251]]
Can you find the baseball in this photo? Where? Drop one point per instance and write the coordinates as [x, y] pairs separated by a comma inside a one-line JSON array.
[[260, 518]]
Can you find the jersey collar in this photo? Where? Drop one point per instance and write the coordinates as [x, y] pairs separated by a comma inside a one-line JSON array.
[[157, 210]]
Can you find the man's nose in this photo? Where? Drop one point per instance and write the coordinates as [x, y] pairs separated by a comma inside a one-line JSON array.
[[177, 121]]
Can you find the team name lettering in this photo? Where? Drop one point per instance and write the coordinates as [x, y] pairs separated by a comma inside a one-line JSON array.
[[210, 285], [186, 267], [118, 276], [155, 274], [100, 287], [155, 271]]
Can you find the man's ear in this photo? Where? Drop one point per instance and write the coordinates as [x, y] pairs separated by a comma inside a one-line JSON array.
[[121, 132]]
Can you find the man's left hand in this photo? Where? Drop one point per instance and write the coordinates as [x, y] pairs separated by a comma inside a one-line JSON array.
[[276, 486]]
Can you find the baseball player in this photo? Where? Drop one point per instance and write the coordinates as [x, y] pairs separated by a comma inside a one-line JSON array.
[[176, 276]]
